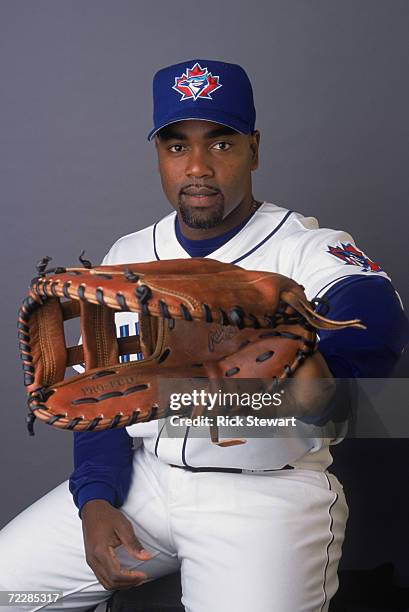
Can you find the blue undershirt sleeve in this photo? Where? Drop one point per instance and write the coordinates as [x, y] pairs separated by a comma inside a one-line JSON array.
[[102, 466], [355, 353], [370, 353]]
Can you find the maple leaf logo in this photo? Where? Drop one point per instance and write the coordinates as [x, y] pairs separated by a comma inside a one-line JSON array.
[[196, 83], [350, 255]]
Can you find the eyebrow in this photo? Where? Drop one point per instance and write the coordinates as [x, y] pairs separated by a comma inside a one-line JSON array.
[[221, 131], [169, 133]]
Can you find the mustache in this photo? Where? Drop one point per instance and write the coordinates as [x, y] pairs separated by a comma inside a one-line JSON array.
[[198, 186]]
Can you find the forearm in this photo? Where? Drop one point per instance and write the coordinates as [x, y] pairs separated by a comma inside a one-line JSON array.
[[102, 466]]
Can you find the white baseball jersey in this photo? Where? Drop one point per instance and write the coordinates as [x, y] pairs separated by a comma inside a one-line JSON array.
[[197, 520], [276, 240]]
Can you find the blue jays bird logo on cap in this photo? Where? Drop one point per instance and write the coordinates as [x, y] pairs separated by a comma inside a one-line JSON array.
[[197, 83]]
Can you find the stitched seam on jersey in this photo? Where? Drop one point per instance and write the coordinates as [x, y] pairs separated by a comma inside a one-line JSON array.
[[270, 235], [158, 438], [154, 236], [154, 242], [332, 538], [184, 447]]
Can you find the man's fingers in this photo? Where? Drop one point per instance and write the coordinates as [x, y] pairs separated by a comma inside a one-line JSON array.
[[111, 576], [105, 528], [131, 543], [124, 577], [126, 580], [138, 553]]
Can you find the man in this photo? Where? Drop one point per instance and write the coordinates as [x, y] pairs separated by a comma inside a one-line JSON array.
[[258, 526]]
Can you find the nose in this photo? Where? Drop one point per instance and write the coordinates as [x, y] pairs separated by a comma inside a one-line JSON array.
[[198, 164]]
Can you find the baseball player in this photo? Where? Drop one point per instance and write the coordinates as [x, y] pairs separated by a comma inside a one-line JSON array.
[[253, 526]]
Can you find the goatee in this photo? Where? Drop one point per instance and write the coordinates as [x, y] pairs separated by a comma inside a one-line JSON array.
[[201, 218]]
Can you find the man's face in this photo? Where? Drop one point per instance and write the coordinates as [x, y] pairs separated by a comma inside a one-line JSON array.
[[205, 170]]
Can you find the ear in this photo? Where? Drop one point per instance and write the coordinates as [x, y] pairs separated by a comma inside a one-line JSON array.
[[254, 140], [156, 140]]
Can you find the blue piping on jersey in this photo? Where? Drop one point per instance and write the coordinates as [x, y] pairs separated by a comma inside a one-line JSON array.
[[207, 246], [158, 438], [154, 241], [275, 230], [331, 540], [250, 252]]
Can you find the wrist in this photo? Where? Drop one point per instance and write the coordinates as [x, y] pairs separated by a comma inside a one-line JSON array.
[[94, 505]]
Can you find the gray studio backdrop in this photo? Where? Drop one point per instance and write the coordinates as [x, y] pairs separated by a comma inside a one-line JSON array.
[[76, 171]]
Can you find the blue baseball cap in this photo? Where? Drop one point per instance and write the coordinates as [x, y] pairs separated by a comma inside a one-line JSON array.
[[203, 89]]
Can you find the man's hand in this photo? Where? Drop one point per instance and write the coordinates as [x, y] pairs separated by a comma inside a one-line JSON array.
[[104, 528], [311, 388], [306, 394]]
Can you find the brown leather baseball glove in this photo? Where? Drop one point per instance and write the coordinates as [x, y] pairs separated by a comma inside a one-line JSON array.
[[199, 319]]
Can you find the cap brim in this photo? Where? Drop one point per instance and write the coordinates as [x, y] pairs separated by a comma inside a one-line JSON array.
[[213, 117]]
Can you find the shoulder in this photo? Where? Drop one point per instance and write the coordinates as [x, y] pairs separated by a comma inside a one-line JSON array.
[[317, 257], [130, 245], [291, 225], [305, 235], [325, 247], [134, 247], [295, 235], [307, 229]]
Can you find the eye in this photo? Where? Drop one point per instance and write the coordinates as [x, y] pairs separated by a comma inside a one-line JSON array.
[[222, 146], [176, 148]]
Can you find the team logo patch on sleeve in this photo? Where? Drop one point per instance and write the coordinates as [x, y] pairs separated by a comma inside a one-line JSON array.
[[197, 83], [350, 255]]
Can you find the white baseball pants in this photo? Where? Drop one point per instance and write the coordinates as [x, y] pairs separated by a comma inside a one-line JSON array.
[[243, 542]]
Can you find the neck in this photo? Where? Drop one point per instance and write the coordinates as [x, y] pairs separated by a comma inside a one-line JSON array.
[[244, 210]]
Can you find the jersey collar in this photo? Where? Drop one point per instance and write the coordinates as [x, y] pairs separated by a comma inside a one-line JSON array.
[[261, 225]]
